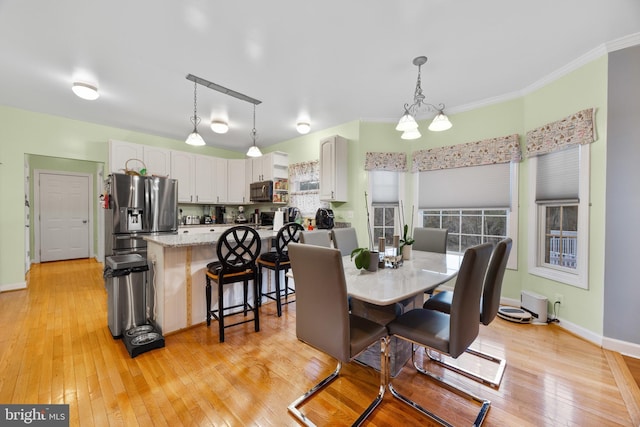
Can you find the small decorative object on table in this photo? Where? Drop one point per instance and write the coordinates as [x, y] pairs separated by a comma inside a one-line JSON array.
[[406, 241], [366, 257]]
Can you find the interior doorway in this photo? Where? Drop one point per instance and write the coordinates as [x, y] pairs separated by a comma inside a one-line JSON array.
[[63, 215]]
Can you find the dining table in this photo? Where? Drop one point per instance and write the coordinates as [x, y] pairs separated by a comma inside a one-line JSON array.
[[384, 294]]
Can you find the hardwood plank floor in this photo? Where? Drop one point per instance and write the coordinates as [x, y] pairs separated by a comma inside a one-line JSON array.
[[55, 347]]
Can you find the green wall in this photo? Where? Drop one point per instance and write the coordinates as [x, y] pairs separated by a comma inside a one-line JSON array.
[[32, 133]]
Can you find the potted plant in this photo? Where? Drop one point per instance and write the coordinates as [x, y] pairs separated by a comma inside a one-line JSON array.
[[366, 258], [407, 240]]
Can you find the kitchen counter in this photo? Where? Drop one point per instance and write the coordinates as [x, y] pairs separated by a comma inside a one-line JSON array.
[[179, 265], [202, 235]]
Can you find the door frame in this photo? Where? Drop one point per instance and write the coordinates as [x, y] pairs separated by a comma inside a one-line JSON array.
[[36, 208]]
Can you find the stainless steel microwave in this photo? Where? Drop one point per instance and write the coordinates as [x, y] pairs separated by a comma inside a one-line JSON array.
[[261, 191]]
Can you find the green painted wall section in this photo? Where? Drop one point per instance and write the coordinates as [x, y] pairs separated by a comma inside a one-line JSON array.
[[31, 133]]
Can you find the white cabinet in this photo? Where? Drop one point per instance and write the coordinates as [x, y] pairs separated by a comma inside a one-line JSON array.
[[237, 181], [205, 174], [120, 152], [220, 180], [269, 166], [333, 169], [156, 160], [183, 169]]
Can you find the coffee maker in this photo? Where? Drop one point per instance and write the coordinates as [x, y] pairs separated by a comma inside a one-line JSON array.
[[220, 212]]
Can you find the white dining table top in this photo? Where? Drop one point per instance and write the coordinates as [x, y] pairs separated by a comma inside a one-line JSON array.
[[424, 271]]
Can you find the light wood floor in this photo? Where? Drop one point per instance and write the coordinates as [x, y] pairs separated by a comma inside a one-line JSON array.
[[55, 347]]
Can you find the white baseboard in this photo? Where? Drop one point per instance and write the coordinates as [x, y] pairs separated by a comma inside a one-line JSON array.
[[13, 286], [623, 347]]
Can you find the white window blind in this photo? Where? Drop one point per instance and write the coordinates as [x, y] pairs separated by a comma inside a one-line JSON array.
[[557, 175], [384, 187], [487, 186]]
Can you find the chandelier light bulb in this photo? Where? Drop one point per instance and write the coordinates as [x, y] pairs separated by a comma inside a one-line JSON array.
[[411, 134], [440, 122]]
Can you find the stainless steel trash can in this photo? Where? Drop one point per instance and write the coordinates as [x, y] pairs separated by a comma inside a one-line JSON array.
[[126, 280]]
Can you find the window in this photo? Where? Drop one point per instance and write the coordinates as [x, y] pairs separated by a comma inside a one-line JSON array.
[[384, 188], [559, 206], [468, 227], [477, 204]]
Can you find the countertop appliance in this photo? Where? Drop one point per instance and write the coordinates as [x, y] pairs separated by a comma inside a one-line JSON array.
[[261, 191], [324, 218], [138, 205], [266, 218]]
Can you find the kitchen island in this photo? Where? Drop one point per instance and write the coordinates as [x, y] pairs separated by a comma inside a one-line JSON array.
[[179, 264]]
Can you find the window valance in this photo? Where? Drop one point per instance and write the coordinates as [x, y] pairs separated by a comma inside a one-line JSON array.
[[395, 162], [303, 168], [578, 128], [490, 151]]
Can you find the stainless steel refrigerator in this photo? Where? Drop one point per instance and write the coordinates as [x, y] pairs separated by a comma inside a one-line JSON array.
[[138, 206]]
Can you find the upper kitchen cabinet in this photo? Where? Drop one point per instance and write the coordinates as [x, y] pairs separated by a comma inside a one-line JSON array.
[[333, 169], [237, 181], [127, 155], [269, 166], [195, 174]]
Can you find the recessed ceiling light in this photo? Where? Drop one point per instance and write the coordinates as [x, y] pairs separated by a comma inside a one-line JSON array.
[[303, 127], [219, 126], [85, 90]]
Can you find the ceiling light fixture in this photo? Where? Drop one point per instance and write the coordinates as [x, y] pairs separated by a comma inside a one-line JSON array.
[[85, 90], [219, 126], [303, 128], [407, 123], [254, 151], [194, 137]]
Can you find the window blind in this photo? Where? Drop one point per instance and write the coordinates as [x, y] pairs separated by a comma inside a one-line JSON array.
[[487, 186], [557, 175], [384, 187]]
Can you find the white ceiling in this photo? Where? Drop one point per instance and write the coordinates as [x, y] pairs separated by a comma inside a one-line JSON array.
[[328, 61]]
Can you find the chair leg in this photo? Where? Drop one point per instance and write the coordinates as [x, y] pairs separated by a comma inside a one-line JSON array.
[[257, 296], [493, 382], [293, 407], [277, 294], [245, 295], [384, 381], [484, 403], [221, 310], [207, 292]]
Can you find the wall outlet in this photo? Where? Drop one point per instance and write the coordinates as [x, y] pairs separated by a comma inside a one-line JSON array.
[[559, 298]]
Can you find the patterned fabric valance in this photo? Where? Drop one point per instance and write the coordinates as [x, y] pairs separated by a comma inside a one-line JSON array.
[[578, 128], [396, 162], [303, 168], [486, 152]]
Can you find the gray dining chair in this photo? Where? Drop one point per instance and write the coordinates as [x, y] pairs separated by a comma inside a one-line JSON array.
[[450, 334], [317, 238], [345, 239], [490, 302], [430, 239], [323, 320]]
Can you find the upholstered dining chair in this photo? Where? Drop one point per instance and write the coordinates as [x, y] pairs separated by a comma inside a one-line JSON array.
[[344, 239], [323, 320], [452, 333], [490, 302], [318, 238], [237, 250], [278, 260], [430, 239]]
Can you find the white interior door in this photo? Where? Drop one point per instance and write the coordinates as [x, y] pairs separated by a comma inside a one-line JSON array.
[[64, 216]]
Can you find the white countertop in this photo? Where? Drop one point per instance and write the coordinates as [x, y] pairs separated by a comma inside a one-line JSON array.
[[203, 236]]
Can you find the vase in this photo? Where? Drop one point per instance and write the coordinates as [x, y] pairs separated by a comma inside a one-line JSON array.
[[406, 252], [373, 262]]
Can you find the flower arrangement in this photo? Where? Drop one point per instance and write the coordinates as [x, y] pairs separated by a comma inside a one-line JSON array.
[[406, 239], [362, 257]]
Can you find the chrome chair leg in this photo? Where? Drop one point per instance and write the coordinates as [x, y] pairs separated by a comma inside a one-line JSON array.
[[493, 382], [293, 407]]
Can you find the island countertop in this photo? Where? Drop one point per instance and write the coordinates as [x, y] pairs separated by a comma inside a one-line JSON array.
[[196, 239]]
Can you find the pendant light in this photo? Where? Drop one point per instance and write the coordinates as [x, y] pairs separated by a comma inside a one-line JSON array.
[[407, 124], [254, 151], [194, 137]]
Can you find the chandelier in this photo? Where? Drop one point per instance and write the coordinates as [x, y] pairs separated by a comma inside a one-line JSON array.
[[254, 151], [407, 123]]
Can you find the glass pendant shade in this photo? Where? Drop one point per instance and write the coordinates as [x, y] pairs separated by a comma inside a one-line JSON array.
[[411, 134], [440, 122], [194, 138], [254, 151], [407, 122]]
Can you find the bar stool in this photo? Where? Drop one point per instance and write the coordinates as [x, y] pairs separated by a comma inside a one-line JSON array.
[[237, 251], [277, 261]]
